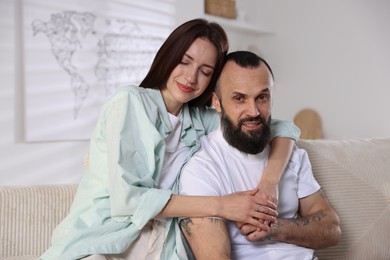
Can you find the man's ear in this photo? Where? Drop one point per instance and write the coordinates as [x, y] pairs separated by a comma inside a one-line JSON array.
[[216, 102]]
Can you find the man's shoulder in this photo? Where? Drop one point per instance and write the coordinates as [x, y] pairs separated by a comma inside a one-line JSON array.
[[210, 144], [202, 174], [208, 153], [206, 149]]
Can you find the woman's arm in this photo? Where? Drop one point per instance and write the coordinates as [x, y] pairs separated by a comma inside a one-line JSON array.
[[281, 148], [284, 135], [239, 206], [129, 145]]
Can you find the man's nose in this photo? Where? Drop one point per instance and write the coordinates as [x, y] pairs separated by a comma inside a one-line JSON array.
[[252, 109]]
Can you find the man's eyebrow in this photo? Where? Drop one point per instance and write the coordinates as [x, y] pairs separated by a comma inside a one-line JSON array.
[[235, 92], [263, 91]]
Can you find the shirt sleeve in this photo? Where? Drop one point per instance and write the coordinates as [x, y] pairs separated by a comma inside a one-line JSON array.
[[284, 128], [135, 152]]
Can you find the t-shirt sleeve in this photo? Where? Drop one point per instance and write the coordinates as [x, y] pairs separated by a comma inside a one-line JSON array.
[[307, 184]]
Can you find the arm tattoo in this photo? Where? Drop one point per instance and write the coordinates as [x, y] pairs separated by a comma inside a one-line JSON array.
[[184, 223], [306, 220], [214, 220]]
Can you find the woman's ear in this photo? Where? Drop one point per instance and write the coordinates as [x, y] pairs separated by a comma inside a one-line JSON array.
[[216, 102]]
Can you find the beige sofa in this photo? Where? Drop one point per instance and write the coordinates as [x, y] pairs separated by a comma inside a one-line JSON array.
[[354, 174]]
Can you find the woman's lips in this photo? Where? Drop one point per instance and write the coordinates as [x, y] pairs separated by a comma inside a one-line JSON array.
[[184, 88]]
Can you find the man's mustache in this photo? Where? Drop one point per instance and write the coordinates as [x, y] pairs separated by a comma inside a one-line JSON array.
[[258, 118]]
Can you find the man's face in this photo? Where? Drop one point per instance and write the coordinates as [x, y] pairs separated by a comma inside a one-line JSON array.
[[245, 106]]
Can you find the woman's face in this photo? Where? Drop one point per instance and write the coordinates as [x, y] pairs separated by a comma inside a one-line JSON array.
[[191, 76]]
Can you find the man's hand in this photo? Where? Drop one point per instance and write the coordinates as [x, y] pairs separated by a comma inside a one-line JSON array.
[[317, 225], [253, 233]]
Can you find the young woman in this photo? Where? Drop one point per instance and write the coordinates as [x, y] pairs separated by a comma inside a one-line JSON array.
[[126, 201]]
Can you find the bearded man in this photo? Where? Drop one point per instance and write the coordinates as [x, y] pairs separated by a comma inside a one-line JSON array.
[[232, 159]]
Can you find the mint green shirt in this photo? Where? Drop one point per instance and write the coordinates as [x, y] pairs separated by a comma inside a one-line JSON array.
[[118, 194]]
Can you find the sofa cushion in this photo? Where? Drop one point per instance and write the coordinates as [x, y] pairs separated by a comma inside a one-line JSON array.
[[355, 177]]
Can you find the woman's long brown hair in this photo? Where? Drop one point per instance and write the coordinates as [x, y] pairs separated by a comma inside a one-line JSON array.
[[173, 49]]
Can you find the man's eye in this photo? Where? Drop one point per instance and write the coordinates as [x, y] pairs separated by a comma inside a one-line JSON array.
[[263, 98], [238, 98]]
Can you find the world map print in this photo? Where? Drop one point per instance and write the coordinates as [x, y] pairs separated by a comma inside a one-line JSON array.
[[123, 51]]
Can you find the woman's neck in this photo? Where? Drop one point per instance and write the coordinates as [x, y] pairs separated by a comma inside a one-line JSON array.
[[171, 105]]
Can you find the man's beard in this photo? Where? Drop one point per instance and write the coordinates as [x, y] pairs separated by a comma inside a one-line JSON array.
[[251, 142]]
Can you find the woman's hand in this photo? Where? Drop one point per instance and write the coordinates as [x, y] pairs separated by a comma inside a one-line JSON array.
[[268, 188], [246, 207]]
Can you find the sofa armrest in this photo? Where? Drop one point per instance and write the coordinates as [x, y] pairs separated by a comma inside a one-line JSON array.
[[28, 216]]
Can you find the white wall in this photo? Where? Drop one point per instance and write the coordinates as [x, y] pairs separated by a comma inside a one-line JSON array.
[[329, 55], [27, 163], [333, 56]]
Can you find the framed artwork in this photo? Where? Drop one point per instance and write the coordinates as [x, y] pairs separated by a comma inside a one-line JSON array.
[[76, 53]]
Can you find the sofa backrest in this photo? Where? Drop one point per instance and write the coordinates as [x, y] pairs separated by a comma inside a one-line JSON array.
[[355, 177]]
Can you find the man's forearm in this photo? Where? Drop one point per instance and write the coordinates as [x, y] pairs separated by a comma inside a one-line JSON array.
[[207, 237], [316, 231]]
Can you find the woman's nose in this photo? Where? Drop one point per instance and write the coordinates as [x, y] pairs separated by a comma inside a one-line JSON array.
[[191, 75]]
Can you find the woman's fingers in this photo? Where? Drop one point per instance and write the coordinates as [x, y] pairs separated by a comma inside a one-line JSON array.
[[266, 210], [246, 208], [262, 200]]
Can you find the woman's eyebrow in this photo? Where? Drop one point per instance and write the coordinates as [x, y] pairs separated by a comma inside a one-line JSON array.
[[191, 58]]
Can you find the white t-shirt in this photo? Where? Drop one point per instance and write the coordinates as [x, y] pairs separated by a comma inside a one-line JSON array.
[[176, 153], [218, 169]]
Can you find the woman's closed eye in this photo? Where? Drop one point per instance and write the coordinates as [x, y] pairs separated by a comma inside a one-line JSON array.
[[207, 72]]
